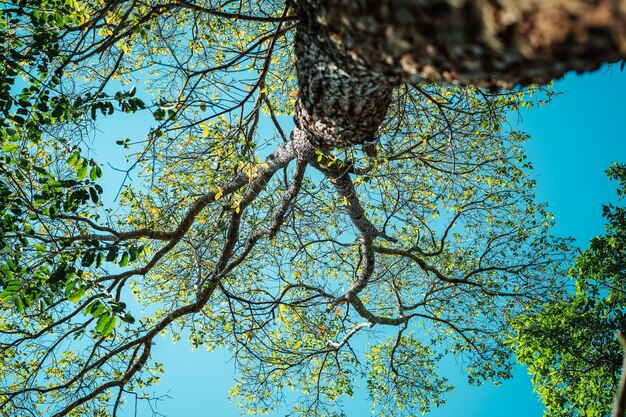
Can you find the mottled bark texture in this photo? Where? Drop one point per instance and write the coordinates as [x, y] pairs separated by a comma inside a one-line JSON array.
[[339, 103], [350, 53]]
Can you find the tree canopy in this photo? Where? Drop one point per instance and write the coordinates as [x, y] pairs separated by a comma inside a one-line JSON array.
[[570, 347], [316, 262]]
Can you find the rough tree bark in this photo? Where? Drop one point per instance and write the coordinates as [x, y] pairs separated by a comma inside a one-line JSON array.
[[350, 53]]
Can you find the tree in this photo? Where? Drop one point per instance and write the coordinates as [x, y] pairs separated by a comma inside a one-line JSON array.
[[570, 346], [289, 249]]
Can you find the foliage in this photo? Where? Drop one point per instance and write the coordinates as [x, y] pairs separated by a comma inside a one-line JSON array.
[[570, 347], [238, 236]]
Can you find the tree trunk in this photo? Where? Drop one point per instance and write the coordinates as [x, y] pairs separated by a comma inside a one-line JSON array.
[[339, 103], [350, 53]]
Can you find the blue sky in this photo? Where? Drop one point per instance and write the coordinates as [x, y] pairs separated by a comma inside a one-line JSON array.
[[573, 140]]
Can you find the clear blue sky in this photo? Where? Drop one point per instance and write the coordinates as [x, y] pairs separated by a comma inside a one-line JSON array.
[[574, 139]]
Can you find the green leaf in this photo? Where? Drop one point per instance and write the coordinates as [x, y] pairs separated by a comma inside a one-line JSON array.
[[159, 114], [76, 295], [108, 328], [19, 304], [106, 324], [96, 308], [88, 258], [10, 147], [112, 254], [126, 317], [102, 321], [98, 311], [39, 247], [125, 259], [12, 287], [93, 194], [71, 161], [82, 173]]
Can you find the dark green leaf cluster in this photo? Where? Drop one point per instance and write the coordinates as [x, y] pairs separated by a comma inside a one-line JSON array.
[[570, 347], [36, 260], [44, 257]]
